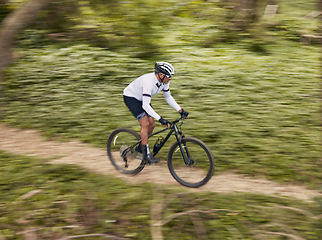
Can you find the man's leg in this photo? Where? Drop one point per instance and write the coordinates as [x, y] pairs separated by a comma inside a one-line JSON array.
[[145, 123], [151, 125], [147, 126]]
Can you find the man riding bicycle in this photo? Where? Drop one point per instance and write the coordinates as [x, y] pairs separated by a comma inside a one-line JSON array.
[[137, 97]]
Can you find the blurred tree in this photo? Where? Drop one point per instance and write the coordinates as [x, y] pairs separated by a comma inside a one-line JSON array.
[[138, 24], [4, 10], [106, 23], [13, 24], [59, 16], [243, 13]]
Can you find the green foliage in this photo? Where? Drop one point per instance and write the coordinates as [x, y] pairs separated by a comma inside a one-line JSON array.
[[147, 26], [83, 75], [144, 25], [4, 11], [255, 103], [56, 201], [258, 113], [59, 16], [65, 196], [253, 97]]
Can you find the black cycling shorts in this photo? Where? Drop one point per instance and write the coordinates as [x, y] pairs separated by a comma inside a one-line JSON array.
[[135, 107]]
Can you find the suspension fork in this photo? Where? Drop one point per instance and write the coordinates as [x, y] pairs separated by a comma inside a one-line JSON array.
[[183, 149]]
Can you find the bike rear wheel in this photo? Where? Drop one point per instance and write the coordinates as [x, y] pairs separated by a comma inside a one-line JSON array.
[[122, 151], [200, 167]]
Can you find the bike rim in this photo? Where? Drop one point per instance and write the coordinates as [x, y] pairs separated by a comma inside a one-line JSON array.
[[123, 157], [199, 168]]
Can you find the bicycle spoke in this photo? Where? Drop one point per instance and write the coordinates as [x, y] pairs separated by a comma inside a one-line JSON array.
[[122, 151], [197, 169]]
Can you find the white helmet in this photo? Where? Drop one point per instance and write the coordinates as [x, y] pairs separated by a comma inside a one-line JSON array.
[[165, 68]]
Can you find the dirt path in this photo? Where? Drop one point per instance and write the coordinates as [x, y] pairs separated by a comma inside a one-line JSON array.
[[31, 143]]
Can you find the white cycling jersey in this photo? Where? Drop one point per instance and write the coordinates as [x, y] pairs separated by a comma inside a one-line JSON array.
[[144, 88]]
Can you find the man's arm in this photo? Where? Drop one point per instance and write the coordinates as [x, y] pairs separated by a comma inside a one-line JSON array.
[[147, 107], [170, 100]]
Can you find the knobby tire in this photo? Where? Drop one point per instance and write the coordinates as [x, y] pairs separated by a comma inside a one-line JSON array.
[[202, 166], [119, 142]]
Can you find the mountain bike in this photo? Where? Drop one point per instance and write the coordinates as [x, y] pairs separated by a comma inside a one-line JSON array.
[[189, 160]]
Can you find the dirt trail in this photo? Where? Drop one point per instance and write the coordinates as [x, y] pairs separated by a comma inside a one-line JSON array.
[[31, 143]]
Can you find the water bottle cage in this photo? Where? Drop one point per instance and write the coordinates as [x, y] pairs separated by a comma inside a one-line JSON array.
[[157, 144]]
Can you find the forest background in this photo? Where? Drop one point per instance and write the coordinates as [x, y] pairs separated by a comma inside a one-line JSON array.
[[247, 71]]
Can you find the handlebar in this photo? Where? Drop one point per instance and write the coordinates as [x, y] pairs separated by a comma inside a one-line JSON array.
[[178, 120], [171, 125]]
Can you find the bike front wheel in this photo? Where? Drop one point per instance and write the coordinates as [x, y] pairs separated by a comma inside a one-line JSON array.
[[124, 152], [199, 166]]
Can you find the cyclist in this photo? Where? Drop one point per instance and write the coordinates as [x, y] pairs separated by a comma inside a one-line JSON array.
[[137, 97]]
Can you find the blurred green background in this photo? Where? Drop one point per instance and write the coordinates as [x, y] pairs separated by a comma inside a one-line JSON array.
[[250, 81]]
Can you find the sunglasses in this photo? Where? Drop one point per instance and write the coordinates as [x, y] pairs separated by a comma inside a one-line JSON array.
[[168, 76]]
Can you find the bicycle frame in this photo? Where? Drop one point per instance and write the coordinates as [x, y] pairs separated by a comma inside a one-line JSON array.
[[186, 156], [178, 134]]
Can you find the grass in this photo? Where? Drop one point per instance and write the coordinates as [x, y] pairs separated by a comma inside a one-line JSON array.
[[254, 101], [56, 201], [259, 114]]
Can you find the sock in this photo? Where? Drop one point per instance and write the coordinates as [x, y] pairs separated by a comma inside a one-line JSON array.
[[146, 149]]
